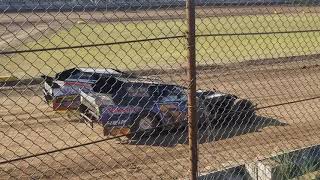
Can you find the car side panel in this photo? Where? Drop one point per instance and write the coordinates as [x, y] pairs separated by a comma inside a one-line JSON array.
[[115, 115]]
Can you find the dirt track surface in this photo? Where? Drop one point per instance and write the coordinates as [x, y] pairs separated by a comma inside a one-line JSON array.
[[278, 129], [29, 126]]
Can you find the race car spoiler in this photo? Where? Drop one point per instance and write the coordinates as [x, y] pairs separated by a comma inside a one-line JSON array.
[[89, 110]]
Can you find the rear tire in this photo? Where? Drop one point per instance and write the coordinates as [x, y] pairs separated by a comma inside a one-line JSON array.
[[145, 124]]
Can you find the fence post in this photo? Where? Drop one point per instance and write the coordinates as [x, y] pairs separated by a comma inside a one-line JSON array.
[[192, 117]]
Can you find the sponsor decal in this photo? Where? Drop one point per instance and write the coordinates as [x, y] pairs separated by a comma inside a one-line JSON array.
[[76, 86], [138, 91], [66, 90], [116, 122], [121, 110]]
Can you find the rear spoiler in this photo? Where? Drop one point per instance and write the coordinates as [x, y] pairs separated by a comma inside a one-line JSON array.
[[50, 81], [47, 79], [88, 109]]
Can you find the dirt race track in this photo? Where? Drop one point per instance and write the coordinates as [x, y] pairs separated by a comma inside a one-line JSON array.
[[29, 126], [280, 128]]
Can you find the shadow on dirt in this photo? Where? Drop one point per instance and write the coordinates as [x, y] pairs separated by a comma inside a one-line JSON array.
[[208, 133]]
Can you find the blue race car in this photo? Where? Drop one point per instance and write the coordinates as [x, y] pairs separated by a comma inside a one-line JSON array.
[[63, 90], [124, 103]]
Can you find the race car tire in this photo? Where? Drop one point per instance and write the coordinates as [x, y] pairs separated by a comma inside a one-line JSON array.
[[145, 124]]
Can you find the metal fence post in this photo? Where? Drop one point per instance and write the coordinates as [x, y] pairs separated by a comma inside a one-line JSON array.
[[192, 117]]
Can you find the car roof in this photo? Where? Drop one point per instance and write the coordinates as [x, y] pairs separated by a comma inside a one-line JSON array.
[[140, 80], [101, 71], [124, 77]]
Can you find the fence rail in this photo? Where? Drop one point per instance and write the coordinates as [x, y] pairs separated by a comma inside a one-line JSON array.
[[103, 5]]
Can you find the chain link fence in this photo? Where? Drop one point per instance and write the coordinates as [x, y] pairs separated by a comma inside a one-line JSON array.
[[99, 89]]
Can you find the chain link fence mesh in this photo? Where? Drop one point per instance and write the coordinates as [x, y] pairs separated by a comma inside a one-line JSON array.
[[98, 89]]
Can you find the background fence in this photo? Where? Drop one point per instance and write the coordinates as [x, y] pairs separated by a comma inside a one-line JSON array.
[[265, 53], [102, 5]]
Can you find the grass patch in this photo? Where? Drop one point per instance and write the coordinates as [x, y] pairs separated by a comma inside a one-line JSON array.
[[167, 53]]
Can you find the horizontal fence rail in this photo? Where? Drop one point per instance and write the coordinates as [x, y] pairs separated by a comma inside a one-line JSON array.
[[101, 5]]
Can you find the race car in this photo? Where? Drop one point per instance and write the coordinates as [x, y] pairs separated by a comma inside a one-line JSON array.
[[132, 105], [63, 90]]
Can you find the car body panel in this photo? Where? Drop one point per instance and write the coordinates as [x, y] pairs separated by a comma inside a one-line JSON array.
[[115, 99]]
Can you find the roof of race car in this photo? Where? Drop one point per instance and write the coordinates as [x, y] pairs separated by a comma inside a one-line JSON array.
[[140, 79], [132, 78], [122, 76], [100, 70]]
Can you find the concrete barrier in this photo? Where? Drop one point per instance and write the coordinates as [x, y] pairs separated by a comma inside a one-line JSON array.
[[299, 164], [232, 173], [286, 165]]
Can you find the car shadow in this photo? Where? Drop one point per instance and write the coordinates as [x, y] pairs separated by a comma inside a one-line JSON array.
[[207, 133]]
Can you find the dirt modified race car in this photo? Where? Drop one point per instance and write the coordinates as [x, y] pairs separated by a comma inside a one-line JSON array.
[[63, 90], [124, 103]]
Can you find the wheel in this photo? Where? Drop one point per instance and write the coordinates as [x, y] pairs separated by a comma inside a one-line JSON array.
[[145, 124]]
